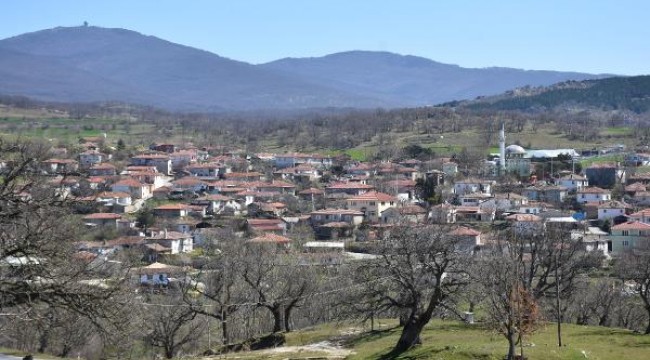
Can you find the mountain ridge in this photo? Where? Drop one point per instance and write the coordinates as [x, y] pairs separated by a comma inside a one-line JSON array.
[[103, 64]]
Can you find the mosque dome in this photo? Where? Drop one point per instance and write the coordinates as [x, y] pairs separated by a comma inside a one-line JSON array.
[[515, 149]]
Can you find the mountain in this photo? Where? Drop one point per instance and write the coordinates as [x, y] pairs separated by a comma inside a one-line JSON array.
[[412, 80], [98, 64], [617, 93], [89, 64]]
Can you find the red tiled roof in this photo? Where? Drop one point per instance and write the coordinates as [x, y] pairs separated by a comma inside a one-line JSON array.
[[373, 196], [311, 191], [464, 231], [130, 182], [174, 207], [632, 225], [270, 238], [336, 212], [102, 216]]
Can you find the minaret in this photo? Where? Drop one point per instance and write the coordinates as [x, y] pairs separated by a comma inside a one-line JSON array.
[[502, 149]]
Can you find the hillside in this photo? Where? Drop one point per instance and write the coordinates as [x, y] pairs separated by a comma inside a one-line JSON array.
[[94, 64], [412, 80], [97, 64], [617, 93]]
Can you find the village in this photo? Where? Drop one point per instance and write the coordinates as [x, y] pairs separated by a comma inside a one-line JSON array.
[[176, 199]]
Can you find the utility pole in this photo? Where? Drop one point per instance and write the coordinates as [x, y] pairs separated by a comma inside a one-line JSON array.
[[557, 302]]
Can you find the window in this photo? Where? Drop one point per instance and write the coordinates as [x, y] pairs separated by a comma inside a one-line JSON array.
[[383, 203], [372, 203], [625, 233], [527, 211], [626, 243]]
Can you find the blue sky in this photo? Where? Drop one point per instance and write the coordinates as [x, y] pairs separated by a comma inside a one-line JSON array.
[[594, 36]]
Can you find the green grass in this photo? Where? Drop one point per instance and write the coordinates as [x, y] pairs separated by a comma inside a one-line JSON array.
[[617, 131], [453, 340]]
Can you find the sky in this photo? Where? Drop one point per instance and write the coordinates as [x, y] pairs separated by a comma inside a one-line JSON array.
[[594, 36]]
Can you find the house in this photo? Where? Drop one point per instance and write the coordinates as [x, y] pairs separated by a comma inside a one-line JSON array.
[[303, 174], [547, 193], [173, 210], [162, 162], [593, 194], [91, 157], [629, 235], [408, 213], [505, 202], [641, 198], [371, 204], [59, 166], [244, 176], [475, 213], [205, 170], [637, 187], [525, 224], [277, 226], [118, 200], [573, 182], [405, 189], [218, 204], [190, 184], [443, 214], [278, 187], [182, 158], [604, 175], [349, 188], [467, 239], [134, 187], [469, 186], [102, 219], [593, 239], [311, 194], [609, 210], [295, 159], [641, 216], [175, 241], [104, 169], [473, 199], [271, 239], [266, 209], [350, 217]]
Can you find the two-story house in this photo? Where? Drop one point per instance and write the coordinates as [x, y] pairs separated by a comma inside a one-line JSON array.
[[372, 204]]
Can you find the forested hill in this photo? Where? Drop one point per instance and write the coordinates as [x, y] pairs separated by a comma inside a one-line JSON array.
[[616, 93], [94, 64]]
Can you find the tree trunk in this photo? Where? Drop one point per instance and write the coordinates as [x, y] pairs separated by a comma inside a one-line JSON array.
[[169, 352], [511, 347], [224, 330], [287, 315], [410, 335], [277, 319]]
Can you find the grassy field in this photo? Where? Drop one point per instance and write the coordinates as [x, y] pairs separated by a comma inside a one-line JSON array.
[[451, 340]]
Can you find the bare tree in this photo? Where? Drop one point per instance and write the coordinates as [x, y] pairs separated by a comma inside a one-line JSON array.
[[37, 234], [510, 307], [634, 266], [277, 280], [217, 290], [171, 325], [417, 271]]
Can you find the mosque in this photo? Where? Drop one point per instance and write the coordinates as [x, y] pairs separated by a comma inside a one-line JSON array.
[[514, 159]]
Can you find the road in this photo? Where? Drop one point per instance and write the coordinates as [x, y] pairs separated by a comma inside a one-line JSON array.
[[9, 357]]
